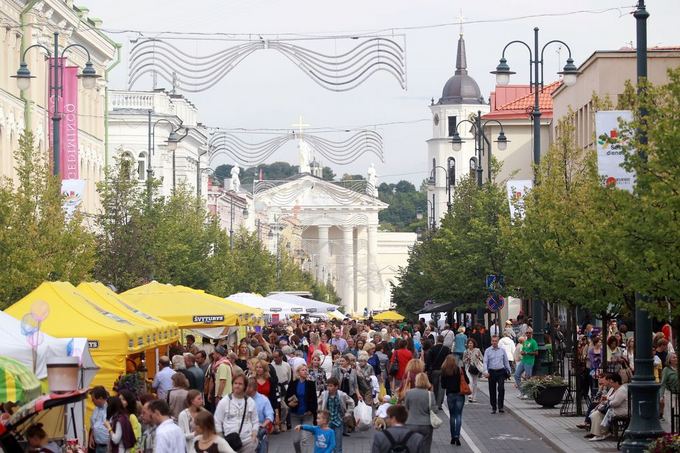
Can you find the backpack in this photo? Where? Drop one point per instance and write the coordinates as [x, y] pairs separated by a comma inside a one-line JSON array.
[[394, 366], [398, 447]]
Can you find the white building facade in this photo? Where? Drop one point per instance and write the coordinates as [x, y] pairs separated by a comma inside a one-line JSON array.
[[140, 121], [461, 99]]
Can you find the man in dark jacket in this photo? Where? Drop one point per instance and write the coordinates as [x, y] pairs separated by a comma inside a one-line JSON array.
[[433, 364], [397, 434]]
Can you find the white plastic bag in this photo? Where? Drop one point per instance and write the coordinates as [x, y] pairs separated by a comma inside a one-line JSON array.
[[363, 414]]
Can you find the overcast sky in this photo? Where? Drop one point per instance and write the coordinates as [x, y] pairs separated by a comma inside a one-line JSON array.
[[267, 91]]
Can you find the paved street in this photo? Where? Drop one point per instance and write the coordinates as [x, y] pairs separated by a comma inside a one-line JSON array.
[[482, 433]]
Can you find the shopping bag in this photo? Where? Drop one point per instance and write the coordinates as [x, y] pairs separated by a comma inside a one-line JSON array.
[[363, 415], [382, 392]]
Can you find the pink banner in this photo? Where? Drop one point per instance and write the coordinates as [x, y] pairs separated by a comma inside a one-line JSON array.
[[68, 130]]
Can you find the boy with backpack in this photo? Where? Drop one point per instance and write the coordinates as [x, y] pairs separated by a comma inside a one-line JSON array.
[[397, 438]]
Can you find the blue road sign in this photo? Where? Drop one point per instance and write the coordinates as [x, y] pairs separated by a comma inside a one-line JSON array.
[[495, 302]]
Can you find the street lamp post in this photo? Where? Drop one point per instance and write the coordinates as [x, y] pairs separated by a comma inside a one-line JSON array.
[[644, 406], [479, 129], [450, 177], [569, 74], [88, 75], [173, 140], [433, 220]]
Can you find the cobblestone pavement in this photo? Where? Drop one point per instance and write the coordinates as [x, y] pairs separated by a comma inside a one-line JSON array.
[[482, 433]]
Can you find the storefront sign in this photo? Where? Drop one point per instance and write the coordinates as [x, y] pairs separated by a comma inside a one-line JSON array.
[[93, 344], [208, 319]]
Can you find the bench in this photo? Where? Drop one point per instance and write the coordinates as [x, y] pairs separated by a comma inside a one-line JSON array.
[[618, 427]]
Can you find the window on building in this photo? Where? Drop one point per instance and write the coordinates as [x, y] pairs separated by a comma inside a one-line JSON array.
[[452, 125], [141, 166]]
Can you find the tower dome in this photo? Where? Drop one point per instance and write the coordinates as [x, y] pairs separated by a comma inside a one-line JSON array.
[[461, 88]]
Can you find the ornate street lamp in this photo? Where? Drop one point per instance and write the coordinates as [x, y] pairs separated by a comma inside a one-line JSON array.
[[88, 76]]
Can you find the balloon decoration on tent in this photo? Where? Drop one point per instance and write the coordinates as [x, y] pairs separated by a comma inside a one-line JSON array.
[[30, 326]]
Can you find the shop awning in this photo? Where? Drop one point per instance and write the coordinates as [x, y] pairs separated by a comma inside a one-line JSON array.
[[388, 316], [162, 332], [186, 307], [310, 305], [439, 308], [268, 305], [17, 382]]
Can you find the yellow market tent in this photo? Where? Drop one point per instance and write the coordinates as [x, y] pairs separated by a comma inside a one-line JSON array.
[[388, 316], [70, 314], [248, 315], [184, 306], [164, 332]]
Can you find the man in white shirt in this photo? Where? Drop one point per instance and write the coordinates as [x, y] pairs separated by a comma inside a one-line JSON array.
[[293, 360], [169, 436], [449, 336]]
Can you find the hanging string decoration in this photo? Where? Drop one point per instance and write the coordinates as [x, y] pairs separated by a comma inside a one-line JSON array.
[[340, 152], [282, 195], [335, 72]]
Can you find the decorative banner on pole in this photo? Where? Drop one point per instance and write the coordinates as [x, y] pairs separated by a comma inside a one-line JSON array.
[[69, 124], [610, 155], [67, 105], [517, 191], [73, 191]]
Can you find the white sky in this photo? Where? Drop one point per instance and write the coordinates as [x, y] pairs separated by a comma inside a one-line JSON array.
[[268, 91]]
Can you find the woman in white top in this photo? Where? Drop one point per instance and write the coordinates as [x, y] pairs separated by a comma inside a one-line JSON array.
[[207, 440], [187, 418], [230, 412]]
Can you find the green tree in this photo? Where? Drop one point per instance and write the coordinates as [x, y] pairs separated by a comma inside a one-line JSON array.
[[37, 241]]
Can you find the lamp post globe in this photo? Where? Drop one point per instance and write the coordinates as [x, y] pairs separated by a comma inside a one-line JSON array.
[[502, 72], [502, 141], [456, 142], [569, 73], [173, 140], [89, 76], [23, 77]]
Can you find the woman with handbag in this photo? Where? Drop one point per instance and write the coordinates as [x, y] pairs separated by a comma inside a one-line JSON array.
[[473, 361], [455, 384], [301, 399], [420, 402]]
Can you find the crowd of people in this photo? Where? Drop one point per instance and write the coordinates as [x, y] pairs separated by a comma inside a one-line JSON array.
[[325, 380]]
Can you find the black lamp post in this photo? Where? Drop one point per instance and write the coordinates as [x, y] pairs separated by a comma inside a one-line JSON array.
[[479, 129], [569, 74], [88, 75], [433, 219], [450, 177], [644, 400]]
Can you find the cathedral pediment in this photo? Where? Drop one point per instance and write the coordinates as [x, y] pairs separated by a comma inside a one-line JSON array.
[[310, 192]]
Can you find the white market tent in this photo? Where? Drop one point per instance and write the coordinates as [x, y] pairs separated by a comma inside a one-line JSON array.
[[15, 345], [310, 305], [268, 305]]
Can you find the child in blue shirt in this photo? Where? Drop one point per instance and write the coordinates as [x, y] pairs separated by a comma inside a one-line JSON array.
[[324, 437]]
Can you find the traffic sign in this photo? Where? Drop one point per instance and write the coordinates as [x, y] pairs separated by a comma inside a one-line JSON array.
[[495, 302]]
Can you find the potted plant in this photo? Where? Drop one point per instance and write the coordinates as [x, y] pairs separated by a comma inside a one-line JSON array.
[[546, 390], [665, 444]]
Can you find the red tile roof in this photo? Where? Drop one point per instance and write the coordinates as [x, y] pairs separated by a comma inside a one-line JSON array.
[[521, 106]]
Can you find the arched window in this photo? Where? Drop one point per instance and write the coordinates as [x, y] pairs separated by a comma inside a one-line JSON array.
[[141, 166]]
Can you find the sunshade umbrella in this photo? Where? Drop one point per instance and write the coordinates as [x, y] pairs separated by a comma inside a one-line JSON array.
[[17, 383], [388, 316]]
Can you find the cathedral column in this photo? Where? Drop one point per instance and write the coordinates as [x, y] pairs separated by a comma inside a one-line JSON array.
[[360, 267], [371, 268], [347, 275], [322, 271]]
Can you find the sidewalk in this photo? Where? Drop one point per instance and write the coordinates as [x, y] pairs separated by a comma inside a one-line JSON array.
[[560, 432]]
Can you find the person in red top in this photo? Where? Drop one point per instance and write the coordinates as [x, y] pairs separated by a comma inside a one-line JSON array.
[[316, 344], [402, 355]]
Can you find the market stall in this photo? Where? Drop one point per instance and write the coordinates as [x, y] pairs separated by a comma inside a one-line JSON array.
[[309, 305], [183, 306], [18, 384], [111, 338], [268, 305], [33, 348], [388, 316]]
